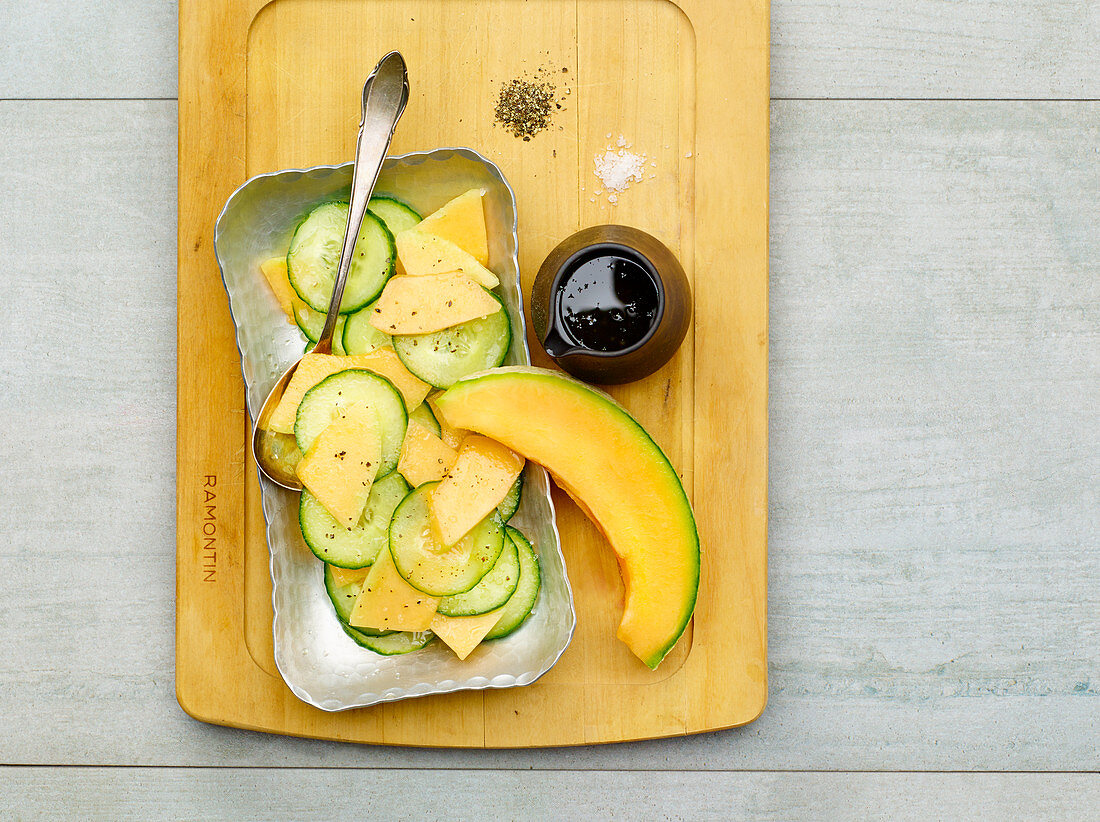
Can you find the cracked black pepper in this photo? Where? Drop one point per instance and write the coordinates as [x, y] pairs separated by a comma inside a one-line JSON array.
[[524, 108]]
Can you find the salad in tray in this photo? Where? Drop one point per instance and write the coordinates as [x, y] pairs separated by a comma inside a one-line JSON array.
[[409, 515]]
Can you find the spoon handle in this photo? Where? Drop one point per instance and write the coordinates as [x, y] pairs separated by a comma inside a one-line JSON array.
[[384, 97]]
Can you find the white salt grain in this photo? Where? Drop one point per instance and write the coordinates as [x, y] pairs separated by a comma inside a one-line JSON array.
[[618, 169]]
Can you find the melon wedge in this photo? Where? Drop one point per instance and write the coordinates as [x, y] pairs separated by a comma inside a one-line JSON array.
[[340, 467], [605, 460], [422, 253], [385, 363], [388, 603], [424, 456], [463, 634], [462, 221], [483, 473], [430, 302], [274, 271]]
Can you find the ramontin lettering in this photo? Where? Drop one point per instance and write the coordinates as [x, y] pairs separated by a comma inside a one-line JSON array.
[[208, 557]]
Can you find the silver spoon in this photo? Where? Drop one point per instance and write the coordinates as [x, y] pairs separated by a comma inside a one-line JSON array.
[[384, 97]]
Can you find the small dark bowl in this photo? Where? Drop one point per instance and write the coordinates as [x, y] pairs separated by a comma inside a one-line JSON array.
[[673, 316]]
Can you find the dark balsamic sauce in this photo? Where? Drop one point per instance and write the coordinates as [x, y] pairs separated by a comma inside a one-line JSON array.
[[606, 301]]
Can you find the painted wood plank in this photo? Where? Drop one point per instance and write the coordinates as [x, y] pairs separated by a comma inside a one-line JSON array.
[[935, 48], [324, 794], [861, 48], [87, 48], [934, 316]]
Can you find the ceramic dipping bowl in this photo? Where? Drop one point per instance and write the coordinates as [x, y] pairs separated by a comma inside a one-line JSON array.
[[669, 323]]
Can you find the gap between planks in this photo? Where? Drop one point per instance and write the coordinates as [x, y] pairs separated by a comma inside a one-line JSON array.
[[494, 769]]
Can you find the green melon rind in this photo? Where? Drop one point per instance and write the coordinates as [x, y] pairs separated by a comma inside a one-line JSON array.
[[692, 546]]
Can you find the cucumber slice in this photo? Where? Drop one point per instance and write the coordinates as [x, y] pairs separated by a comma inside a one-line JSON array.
[[400, 642], [311, 323], [322, 402], [442, 358], [354, 547], [359, 336], [495, 588], [440, 570], [523, 600], [315, 253], [508, 505], [397, 216], [343, 600], [423, 415]]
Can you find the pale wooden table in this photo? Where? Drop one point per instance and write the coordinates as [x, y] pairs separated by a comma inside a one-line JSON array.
[[935, 446]]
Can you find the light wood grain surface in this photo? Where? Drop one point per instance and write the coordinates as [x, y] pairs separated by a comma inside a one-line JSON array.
[[934, 580]]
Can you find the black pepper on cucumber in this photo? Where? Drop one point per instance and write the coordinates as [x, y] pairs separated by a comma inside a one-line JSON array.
[[315, 253]]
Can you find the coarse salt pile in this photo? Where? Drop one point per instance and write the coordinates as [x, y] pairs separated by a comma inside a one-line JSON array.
[[618, 168]]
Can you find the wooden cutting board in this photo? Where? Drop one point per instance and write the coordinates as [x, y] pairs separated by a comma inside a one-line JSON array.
[[270, 85]]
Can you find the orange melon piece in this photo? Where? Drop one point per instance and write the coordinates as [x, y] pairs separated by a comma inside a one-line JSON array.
[[388, 603], [605, 460], [462, 221], [342, 577], [422, 253], [480, 478], [424, 456], [430, 302], [274, 271], [315, 367], [448, 433], [312, 368], [463, 634], [385, 363], [340, 467]]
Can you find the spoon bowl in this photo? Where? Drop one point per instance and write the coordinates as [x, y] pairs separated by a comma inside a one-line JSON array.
[[385, 94]]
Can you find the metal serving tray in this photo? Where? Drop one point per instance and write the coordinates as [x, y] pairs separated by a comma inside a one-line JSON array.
[[318, 661]]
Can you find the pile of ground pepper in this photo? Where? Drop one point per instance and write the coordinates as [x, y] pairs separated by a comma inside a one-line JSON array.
[[525, 107]]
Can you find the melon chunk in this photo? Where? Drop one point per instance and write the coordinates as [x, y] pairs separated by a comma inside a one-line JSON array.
[[388, 603], [463, 634], [343, 577], [430, 302], [424, 456], [606, 461], [385, 363], [462, 221], [315, 367], [312, 368], [448, 433], [422, 253], [340, 467], [274, 271], [481, 477]]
